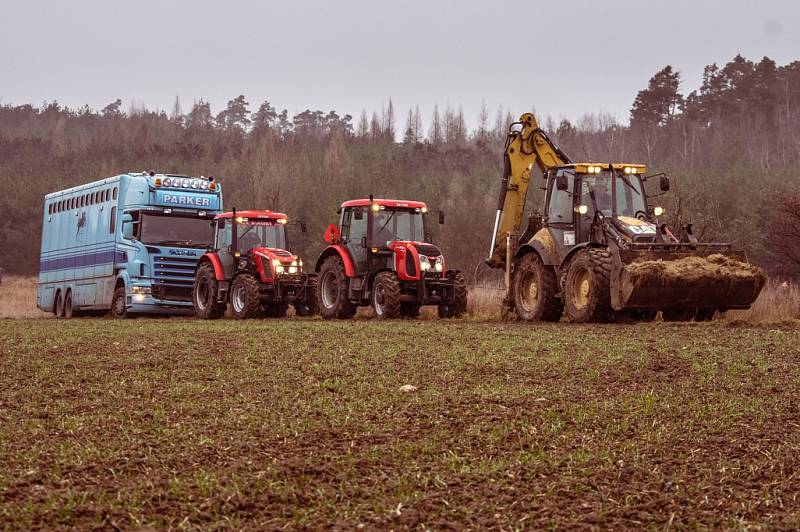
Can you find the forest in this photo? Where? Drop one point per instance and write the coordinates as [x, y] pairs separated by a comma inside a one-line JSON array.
[[731, 147]]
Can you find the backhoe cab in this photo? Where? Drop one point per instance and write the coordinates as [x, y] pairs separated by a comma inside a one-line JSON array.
[[250, 268], [381, 254]]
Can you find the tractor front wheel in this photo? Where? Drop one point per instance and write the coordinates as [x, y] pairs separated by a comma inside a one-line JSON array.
[[535, 288], [386, 296], [205, 294], [245, 301], [332, 286], [457, 306], [587, 289]]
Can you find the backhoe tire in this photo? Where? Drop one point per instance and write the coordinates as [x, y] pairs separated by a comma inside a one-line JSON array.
[[245, 301], [386, 296], [678, 314], [458, 306], [409, 310], [205, 294], [332, 288], [534, 289], [587, 288]]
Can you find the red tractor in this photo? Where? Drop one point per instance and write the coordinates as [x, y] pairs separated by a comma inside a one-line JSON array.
[[381, 255], [250, 268]]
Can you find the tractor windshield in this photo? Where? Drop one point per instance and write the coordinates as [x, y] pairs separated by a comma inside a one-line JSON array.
[[261, 234], [598, 192], [398, 224]]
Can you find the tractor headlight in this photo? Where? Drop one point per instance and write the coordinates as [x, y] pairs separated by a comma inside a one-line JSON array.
[[658, 211], [292, 269], [279, 268], [424, 263], [439, 263]]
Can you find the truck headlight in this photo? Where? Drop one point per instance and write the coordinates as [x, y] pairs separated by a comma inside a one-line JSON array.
[[144, 290], [439, 263], [424, 263]]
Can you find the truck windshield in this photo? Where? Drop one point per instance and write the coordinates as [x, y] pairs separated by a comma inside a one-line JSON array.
[[171, 230], [261, 234], [398, 224], [629, 191]]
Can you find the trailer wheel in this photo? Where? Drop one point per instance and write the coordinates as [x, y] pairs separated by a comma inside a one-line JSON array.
[[332, 285], [68, 305], [58, 306], [458, 306], [245, 301], [535, 288], [205, 294], [409, 310], [386, 296], [119, 309], [587, 288]]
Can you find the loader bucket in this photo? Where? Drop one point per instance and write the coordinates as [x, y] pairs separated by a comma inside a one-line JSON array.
[[666, 279]]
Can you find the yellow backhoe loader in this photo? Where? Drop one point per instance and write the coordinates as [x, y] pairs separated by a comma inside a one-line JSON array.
[[599, 250]]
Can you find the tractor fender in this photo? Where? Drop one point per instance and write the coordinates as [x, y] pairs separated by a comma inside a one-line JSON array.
[[337, 249], [534, 246], [212, 258], [574, 251]]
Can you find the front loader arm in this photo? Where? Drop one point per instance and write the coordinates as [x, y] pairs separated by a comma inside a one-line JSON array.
[[526, 145]]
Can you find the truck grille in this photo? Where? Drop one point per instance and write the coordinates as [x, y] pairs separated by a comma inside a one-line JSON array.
[[174, 276]]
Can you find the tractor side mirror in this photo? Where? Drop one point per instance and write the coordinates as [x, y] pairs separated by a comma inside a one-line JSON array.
[[358, 214], [441, 217], [127, 227], [561, 182], [664, 183]]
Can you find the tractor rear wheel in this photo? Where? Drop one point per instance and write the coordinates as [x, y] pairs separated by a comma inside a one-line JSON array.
[[332, 287], [205, 294], [535, 288], [587, 289], [245, 301], [409, 310], [458, 306], [386, 296]]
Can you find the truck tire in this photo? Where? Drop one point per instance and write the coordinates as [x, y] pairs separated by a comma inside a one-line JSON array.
[[58, 306], [458, 306], [587, 289], [409, 310], [535, 288], [68, 310], [386, 296], [245, 301], [205, 294], [119, 309], [332, 287]]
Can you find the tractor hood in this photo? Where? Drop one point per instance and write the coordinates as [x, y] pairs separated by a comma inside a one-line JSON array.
[[270, 254], [635, 229], [423, 248]]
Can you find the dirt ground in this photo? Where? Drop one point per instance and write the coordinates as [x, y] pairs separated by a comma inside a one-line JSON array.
[[303, 424]]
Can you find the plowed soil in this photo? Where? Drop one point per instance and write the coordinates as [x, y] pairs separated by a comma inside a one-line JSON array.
[[302, 424]]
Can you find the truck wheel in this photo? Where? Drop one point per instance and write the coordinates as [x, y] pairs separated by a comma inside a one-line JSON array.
[[119, 310], [587, 289], [458, 306], [244, 297], [68, 305], [205, 294], [58, 306], [386, 296], [275, 310], [409, 310], [678, 314], [332, 285], [535, 288]]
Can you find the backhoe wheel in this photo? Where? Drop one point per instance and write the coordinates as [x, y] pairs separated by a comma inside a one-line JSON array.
[[535, 288], [386, 296], [205, 294], [587, 290], [245, 301], [332, 286], [458, 306], [409, 310], [678, 314], [275, 310]]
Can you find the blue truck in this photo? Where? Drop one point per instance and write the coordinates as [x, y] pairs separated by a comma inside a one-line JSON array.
[[127, 244]]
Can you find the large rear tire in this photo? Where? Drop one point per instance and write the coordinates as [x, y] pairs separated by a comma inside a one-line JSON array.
[[386, 296], [332, 287], [458, 306], [535, 288], [205, 294], [587, 289], [245, 301]]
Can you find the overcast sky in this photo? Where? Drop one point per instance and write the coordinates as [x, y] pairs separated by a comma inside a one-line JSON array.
[[565, 58]]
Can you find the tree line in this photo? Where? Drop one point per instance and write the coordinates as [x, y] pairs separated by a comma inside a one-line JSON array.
[[732, 148]]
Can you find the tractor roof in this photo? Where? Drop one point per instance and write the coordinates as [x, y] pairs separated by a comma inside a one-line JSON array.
[[272, 215], [386, 203]]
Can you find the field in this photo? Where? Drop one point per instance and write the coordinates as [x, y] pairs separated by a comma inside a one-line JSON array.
[[304, 423]]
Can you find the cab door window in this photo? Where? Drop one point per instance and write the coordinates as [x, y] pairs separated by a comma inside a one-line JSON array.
[[560, 203]]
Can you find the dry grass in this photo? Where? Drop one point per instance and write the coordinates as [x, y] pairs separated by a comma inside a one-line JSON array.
[[779, 301], [18, 298]]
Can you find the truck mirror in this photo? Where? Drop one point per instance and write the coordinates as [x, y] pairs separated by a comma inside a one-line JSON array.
[[358, 213], [303, 227], [441, 217], [561, 182], [664, 183], [127, 226]]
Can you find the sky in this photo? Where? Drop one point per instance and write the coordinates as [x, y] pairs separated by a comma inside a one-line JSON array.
[[562, 59]]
